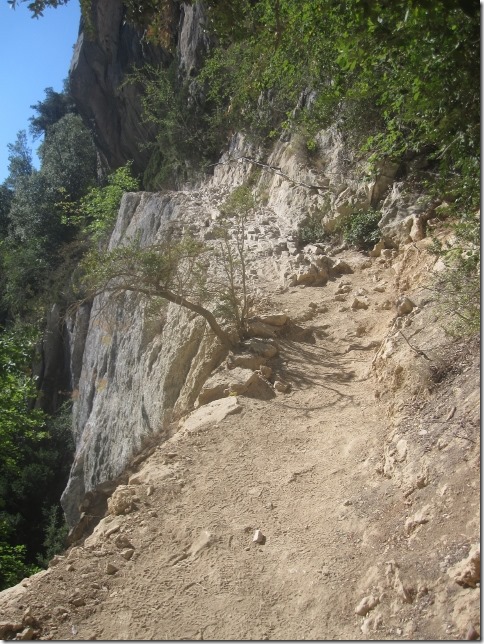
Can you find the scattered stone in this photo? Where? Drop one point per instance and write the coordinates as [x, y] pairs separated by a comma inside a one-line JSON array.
[[127, 554], [122, 541], [149, 490], [379, 289], [111, 569], [56, 560], [113, 530], [122, 501], [360, 303], [245, 361], [77, 600], [261, 348], [70, 568], [275, 319], [341, 267], [387, 253], [258, 537], [377, 249], [404, 306], [8, 629], [211, 413], [228, 382], [27, 634], [282, 387], [366, 605], [29, 620], [468, 571], [261, 330], [348, 502]]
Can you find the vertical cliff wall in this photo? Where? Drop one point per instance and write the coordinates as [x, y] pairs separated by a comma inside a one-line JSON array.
[[105, 55], [134, 367]]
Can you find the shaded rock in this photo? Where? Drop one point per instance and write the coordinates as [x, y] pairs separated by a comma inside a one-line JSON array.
[[404, 306], [283, 387], [9, 629], [111, 569], [122, 541], [341, 267], [260, 348], [261, 330], [27, 634], [245, 360], [468, 571], [275, 319], [366, 605], [360, 303], [127, 554]]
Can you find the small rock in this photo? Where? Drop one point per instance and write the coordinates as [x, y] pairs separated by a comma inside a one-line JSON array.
[[360, 303], [127, 554], [275, 319], [366, 605], [9, 628], [348, 502], [77, 601], [122, 541], [111, 569], [341, 267], [258, 537], [56, 560], [149, 490], [468, 571], [404, 306], [26, 634]]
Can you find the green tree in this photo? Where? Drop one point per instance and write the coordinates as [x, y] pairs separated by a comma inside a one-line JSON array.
[[50, 110], [19, 160], [174, 270]]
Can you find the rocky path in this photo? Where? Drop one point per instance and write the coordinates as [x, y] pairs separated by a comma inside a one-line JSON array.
[[300, 467]]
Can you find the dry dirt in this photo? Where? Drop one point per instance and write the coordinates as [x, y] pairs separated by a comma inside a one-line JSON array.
[[322, 472]]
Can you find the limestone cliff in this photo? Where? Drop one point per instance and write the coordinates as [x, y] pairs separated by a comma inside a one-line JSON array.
[[134, 368], [103, 57]]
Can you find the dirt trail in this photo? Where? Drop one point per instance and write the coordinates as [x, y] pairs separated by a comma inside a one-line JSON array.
[[300, 467]]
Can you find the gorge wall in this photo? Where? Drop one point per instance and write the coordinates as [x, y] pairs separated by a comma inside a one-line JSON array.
[[103, 58], [136, 367]]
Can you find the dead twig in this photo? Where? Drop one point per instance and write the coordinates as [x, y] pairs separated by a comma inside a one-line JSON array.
[[276, 170], [417, 350]]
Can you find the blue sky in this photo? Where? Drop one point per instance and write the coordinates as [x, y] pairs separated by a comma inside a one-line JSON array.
[[34, 54]]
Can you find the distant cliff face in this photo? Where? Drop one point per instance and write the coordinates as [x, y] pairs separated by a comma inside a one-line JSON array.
[[99, 67]]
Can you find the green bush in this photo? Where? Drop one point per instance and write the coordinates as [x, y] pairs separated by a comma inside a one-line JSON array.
[[361, 230], [311, 230]]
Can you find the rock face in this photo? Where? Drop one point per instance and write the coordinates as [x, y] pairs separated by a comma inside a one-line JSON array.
[[134, 369], [103, 59]]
